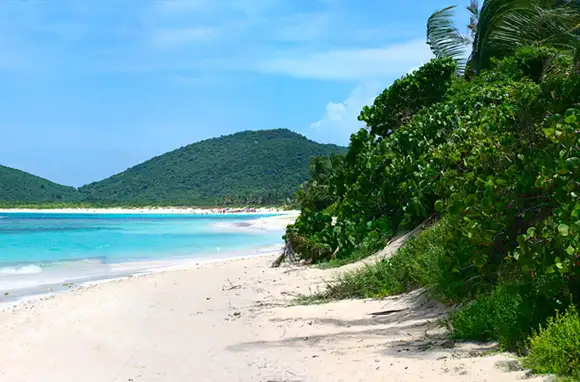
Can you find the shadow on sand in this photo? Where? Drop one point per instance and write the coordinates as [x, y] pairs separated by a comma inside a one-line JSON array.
[[409, 317]]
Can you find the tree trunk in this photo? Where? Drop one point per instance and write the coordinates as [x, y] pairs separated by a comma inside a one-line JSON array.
[[287, 255]]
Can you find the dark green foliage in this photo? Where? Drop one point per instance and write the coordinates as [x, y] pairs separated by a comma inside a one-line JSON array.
[[555, 348], [498, 158], [367, 189], [535, 63], [396, 105], [251, 167], [248, 168], [318, 194], [507, 315], [495, 154], [489, 317], [20, 187], [501, 27]]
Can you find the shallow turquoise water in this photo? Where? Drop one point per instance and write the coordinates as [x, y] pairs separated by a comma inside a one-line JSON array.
[[43, 238], [32, 243]]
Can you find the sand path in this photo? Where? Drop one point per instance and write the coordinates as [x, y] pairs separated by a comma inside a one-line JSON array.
[[232, 321]]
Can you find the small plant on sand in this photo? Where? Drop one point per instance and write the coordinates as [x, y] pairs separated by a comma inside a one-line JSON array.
[[370, 281], [555, 348], [502, 315], [508, 314]]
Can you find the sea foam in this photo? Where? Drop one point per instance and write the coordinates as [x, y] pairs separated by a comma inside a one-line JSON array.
[[21, 270]]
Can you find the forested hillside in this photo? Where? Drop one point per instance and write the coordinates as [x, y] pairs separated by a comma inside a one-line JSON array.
[[489, 149], [18, 186], [254, 167]]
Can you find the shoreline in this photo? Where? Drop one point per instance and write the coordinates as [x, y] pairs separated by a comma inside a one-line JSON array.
[[236, 317], [237, 320], [152, 210], [20, 281], [19, 296]]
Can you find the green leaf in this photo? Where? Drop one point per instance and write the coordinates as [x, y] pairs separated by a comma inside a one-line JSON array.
[[438, 206], [570, 119], [570, 250], [549, 132], [563, 229]]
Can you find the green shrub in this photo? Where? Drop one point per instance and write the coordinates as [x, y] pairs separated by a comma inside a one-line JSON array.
[[502, 315], [407, 95], [509, 313], [422, 262], [438, 259], [556, 347], [372, 281], [498, 157]]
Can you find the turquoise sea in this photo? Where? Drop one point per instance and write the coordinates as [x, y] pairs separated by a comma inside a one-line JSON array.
[[48, 249]]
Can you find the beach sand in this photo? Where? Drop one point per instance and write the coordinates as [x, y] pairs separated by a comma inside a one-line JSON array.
[[234, 321], [149, 210]]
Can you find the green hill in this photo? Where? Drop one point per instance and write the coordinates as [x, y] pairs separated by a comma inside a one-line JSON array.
[[255, 167], [19, 186]]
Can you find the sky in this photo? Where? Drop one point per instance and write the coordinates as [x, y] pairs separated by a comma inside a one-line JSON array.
[[91, 88]]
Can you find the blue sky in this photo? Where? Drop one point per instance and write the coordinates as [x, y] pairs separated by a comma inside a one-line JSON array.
[[93, 87]]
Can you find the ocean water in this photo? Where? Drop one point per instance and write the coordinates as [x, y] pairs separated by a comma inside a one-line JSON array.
[[45, 250]]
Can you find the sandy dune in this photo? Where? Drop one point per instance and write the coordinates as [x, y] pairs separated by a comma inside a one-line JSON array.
[[232, 321]]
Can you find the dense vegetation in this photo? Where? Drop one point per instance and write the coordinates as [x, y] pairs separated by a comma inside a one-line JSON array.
[[19, 187], [491, 147], [253, 167], [247, 168]]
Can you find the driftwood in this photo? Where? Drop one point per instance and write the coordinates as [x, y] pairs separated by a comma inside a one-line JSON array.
[[333, 256], [287, 255], [231, 286]]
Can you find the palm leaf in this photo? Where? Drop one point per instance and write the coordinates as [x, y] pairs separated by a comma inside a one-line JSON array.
[[506, 25], [444, 38], [491, 15], [473, 9]]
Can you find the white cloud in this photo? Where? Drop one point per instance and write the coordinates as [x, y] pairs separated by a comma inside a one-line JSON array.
[[352, 64], [340, 119]]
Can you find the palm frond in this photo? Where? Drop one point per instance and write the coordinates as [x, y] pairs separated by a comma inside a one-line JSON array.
[[473, 9], [506, 25], [443, 36], [492, 14]]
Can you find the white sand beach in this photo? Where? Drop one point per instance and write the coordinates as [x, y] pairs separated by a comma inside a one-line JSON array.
[[151, 210], [234, 320]]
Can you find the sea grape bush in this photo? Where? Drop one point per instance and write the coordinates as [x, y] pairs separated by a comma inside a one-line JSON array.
[[552, 244], [396, 105], [496, 154]]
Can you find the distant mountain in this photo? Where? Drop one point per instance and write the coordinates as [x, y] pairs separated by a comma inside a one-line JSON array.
[[20, 186], [254, 167]]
